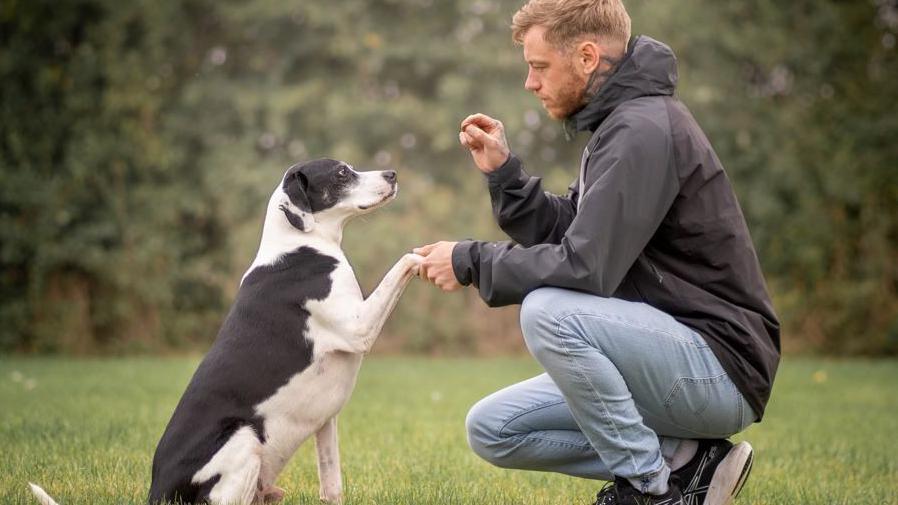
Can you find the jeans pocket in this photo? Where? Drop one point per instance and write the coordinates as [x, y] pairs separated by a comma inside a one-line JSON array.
[[709, 407]]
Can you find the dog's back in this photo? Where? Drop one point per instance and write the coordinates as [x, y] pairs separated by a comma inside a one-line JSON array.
[[260, 346]]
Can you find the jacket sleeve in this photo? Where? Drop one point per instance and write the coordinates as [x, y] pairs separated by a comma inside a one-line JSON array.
[[630, 183], [523, 210]]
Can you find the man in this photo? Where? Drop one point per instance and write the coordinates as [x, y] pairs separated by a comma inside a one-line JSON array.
[[641, 293]]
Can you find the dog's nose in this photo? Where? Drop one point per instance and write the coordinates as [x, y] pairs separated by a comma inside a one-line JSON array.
[[390, 175]]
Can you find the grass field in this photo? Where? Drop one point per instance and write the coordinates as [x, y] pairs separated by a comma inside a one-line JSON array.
[[86, 430]]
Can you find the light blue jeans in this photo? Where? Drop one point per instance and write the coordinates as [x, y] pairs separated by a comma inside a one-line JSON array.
[[625, 384]]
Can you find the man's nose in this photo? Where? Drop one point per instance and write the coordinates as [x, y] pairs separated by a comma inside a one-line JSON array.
[[531, 84]]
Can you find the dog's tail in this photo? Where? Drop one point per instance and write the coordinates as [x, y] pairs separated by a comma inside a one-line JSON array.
[[42, 495]]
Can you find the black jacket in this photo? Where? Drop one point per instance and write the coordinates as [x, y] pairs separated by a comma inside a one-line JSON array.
[[652, 218]]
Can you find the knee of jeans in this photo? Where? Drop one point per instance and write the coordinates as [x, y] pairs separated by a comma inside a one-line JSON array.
[[483, 438]]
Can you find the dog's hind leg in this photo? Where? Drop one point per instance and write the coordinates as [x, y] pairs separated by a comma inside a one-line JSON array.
[[237, 465], [329, 477]]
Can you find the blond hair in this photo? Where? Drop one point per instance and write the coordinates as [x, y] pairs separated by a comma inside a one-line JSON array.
[[568, 21]]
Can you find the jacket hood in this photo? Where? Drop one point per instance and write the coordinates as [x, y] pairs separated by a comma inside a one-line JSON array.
[[648, 69]]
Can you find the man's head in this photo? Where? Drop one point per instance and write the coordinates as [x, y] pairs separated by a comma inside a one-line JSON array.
[[568, 45]]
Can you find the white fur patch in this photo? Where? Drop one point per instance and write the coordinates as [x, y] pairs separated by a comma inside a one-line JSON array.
[[238, 462], [299, 408]]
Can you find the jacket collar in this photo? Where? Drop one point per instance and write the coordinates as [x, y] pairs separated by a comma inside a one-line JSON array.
[[648, 69]]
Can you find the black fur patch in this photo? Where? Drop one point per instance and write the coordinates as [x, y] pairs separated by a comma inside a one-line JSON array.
[[293, 219], [260, 346], [319, 183]]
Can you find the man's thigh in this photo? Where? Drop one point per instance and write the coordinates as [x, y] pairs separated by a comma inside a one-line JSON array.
[[677, 384]]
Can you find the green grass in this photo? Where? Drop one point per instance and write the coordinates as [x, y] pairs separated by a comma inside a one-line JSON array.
[[86, 431]]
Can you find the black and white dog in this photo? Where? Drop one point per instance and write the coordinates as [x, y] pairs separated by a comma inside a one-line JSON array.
[[287, 356]]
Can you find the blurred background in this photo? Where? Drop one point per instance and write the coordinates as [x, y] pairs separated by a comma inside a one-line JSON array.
[[140, 140]]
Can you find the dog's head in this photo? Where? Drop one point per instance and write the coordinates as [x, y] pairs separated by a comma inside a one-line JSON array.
[[325, 190]]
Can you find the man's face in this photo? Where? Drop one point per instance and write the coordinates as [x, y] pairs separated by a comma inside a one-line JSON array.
[[552, 75]]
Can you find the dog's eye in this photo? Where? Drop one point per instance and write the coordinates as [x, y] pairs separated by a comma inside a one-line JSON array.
[[343, 173]]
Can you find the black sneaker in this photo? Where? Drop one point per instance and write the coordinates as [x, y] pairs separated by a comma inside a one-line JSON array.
[[716, 473], [621, 492]]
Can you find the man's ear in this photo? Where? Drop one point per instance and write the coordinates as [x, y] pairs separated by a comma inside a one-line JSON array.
[[588, 55], [301, 218]]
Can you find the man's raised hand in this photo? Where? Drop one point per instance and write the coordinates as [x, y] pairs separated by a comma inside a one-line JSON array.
[[485, 138]]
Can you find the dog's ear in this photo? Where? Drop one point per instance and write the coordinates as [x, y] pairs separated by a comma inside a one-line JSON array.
[[303, 219]]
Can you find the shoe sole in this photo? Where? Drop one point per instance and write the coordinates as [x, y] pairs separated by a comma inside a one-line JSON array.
[[730, 475]]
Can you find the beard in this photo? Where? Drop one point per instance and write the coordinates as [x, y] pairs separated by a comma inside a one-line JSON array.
[[576, 91], [569, 98]]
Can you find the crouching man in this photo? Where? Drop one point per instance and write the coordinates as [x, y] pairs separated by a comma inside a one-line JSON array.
[[641, 294]]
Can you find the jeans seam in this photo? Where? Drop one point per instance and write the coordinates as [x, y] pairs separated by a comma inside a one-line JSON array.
[[607, 414], [741, 408], [528, 410], [531, 437]]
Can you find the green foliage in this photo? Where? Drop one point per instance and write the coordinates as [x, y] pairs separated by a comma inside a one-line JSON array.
[[139, 142], [98, 177], [85, 430]]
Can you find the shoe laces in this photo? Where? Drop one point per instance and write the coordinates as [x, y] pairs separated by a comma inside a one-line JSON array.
[[613, 493], [607, 495]]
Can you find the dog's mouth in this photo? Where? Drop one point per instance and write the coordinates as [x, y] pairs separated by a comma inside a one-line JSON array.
[[389, 196]]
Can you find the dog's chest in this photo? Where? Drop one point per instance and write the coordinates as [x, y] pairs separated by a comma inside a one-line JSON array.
[[319, 391], [314, 395], [345, 290]]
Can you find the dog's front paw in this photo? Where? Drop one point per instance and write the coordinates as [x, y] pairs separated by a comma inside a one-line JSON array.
[[413, 262]]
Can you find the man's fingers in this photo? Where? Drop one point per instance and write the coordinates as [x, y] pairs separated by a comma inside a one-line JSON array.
[[426, 274], [478, 135], [465, 140], [473, 118], [469, 142], [424, 250], [480, 120]]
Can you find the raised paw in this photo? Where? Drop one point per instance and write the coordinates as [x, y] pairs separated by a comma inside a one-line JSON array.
[[413, 261]]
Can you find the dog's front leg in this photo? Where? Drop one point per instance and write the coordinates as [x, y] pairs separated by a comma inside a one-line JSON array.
[[329, 477], [380, 304]]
